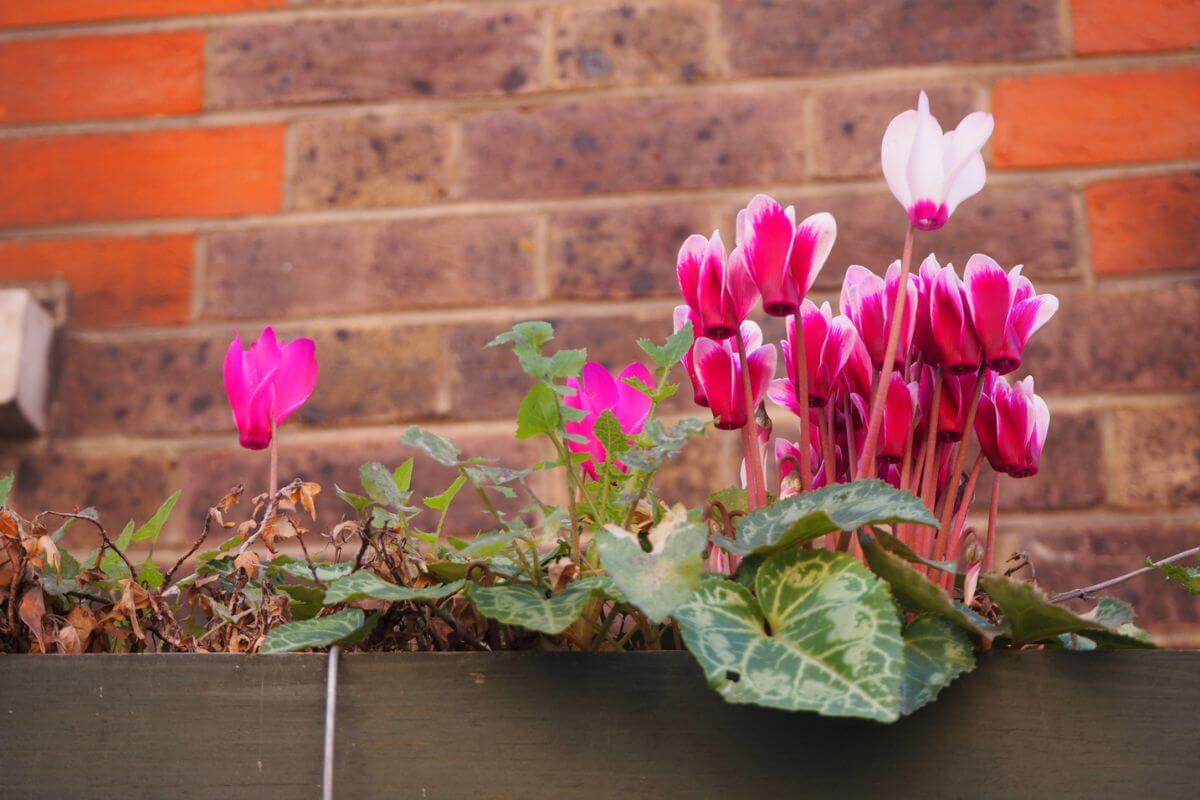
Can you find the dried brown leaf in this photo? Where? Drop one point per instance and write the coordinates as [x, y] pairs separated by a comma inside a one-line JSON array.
[[83, 620], [50, 550], [10, 523], [232, 498], [68, 640], [31, 611], [249, 562]]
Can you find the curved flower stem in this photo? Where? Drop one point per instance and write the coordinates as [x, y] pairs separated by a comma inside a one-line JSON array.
[[960, 459], [755, 486], [867, 458], [989, 553], [274, 474], [954, 540], [800, 367]]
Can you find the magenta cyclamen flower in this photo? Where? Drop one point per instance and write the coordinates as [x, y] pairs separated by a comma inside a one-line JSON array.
[[931, 172], [957, 391], [828, 344], [868, 300], [267, 383], [597, 391], [784, 258], [1005, 311], [719, 289], [897, 419], [720, 374], [950, 324], [1012, 424]]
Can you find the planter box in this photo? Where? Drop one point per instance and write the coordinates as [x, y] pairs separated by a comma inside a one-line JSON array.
[[538, 725]]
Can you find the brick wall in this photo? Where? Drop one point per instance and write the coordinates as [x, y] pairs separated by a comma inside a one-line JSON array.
[[399, 180]]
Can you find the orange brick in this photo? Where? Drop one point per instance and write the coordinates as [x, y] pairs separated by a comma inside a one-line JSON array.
[[1055, 120], [1122, 26], [50, 12], [1145, 224], [101, 76], [203, 172], [114, 281]]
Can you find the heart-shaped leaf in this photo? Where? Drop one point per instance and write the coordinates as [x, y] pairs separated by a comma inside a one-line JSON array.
[[364, 585], [842, 507], [305, 602], [822, 635], [437, 447], [1030, 616], [660, 581], [319, 632], [525, 605], [935, 653]]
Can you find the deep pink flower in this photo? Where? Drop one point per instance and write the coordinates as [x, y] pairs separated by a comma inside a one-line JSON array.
[[784, 258], [1005, 311], [720, 374], [931, 172], [897, 419], [684, 315], [718, 288], [950, 324], [596, 391], [267, 383], [868, 300], [1012, 424], [957, 391], [828, 344]]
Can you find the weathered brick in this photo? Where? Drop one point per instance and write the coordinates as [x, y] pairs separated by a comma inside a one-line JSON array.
[[1157, 455], [1113, 117], [1145, 224], [799, 36], [438, 54], [203, 172], [1129, 338], [850, 123], [1082, 552], [208, 474], [487, 383], [613, 254], [101, 76], [363, 162], [1032, 224], [632, 44], [54, 12], [1116, 26], [114, 281], [679, 142], [1070, 475], [119, 485], [380, 266], [172, 385]]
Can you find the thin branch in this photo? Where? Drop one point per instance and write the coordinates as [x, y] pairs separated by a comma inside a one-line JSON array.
[[1095, 587], [108, 545]]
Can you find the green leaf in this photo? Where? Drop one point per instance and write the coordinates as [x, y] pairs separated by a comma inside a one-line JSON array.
[[672, 352], [6, 485], [734, 498], [126, 538], [153, 526], [1186, 578], [535, 334], [439, 448], [822, 635], [935, 653], [365, 585], [1117, 616], [355, 501], [538, 413], [300, 569], [608, 430], [566, 363], [842, 507], [899, 548], [403, 475], [1030, 616], [1110, 612], [381, 485], [916, 592], [320, 632], [305, 601], [441, 502], [663, 443], [149, 575], [660, 581], [525, 605]]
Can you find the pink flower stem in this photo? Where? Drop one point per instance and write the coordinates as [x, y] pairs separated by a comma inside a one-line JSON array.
[[274, 474], [853, 460], [961, 459], [929, 476], [827, 453], [989, 553], [756, 492], [867, 459], [800, 367], [955, 540]]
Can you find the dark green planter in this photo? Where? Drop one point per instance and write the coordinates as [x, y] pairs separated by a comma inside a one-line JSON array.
[[536, 725]]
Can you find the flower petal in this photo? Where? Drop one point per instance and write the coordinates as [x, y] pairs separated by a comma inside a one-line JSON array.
[[990, 297], [897, 146], [687, 268], [811, 246], [633, 406], [296, 378]]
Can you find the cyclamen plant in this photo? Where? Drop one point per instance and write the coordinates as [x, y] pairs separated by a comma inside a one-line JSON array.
[[842, 576]]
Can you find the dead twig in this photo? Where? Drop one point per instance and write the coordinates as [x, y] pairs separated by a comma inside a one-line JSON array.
[[1095, 587]]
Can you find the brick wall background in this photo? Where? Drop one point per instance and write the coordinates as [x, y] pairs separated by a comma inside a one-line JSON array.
[[400, 180]]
